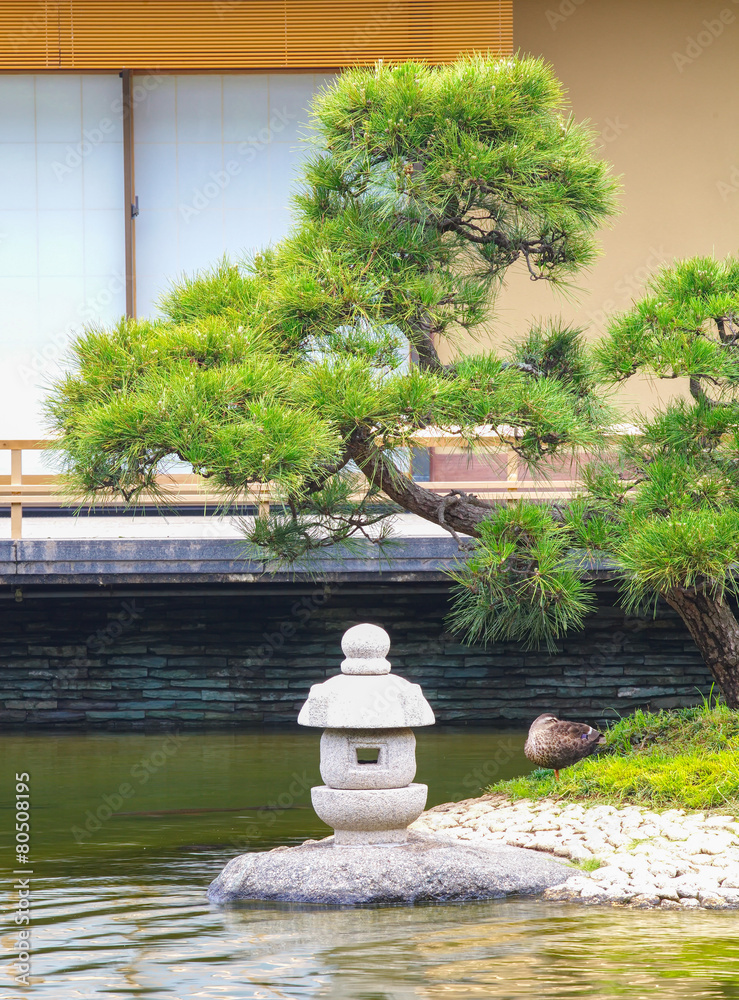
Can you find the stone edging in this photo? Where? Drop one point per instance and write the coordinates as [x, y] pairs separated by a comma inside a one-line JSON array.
[[675, 859]]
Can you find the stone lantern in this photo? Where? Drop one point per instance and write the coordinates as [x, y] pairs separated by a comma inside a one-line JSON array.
[[368, 750], [368, 762]]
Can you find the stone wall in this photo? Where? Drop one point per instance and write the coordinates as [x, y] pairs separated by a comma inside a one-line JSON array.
[[239, 659]]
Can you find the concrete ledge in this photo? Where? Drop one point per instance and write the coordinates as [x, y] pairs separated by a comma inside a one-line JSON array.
[[107, 561], [137, 561]]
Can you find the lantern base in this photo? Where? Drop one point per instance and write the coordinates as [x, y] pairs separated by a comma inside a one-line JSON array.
[[369, 815]]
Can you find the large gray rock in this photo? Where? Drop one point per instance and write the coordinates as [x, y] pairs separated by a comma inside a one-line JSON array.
[[422, 869]]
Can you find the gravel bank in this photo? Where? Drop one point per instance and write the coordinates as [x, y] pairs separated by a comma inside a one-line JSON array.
[[673, 859]]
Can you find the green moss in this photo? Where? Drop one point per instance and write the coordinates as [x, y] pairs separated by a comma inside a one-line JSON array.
[[588, 865], [687, 758]]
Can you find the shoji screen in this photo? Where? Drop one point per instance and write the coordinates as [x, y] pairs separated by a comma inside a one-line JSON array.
[[61, 227], [214, 160]]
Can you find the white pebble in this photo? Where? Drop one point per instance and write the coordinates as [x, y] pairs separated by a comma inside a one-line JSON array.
[[673, 859]]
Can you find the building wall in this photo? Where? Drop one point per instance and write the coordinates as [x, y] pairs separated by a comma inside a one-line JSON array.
[[169, 661], [652, 79]]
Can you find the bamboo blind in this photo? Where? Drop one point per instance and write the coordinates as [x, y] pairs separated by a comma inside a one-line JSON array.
[[245, 34]]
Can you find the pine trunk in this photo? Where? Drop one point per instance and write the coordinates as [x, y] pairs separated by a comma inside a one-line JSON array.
[[714, 627], [456, 513]]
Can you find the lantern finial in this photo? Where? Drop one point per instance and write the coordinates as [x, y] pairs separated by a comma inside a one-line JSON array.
[[365, 648]]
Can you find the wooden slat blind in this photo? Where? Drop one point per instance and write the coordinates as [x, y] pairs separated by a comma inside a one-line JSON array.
[[35, 34], [245, 34]]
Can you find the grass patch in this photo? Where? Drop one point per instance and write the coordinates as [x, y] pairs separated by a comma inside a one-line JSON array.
[[686, 758], [588, 865]]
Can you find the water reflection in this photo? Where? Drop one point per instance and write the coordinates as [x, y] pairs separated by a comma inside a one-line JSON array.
[[119, 908], [499, 949]]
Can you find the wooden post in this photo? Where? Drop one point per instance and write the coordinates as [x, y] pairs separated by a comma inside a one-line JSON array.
[[263, 502], [16, 479], [130, 206], [512, 477]]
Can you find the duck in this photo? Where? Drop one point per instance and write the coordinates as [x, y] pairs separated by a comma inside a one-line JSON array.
[[555, 743]]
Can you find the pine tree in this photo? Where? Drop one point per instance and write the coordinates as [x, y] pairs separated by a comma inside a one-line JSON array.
[[424, 186], [663, 512]]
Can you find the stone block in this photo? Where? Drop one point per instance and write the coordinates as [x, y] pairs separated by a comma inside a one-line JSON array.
[[501, 663], [479, 684], [423, 673], [7, 676], [27, 704], [115, 715], [203, 660], [170, 713], [83, 705], [455, 693], [64, 651], [205, 680], [601, 670], [17, 715], [19, 688], [117, 673], [220, 695], [170, 674], [181, 694], [168, 649], [36, 663], [248, 662], [143, 660], [423, 648], [465, 672], [55, 716], [663, 659], [643, 692], [424, 662], [138, 684], [682, 702], [314, 662]]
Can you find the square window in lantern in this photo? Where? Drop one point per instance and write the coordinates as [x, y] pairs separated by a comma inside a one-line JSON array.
[[368, 755]]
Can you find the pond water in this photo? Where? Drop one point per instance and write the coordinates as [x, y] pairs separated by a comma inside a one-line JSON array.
[[129, 829]]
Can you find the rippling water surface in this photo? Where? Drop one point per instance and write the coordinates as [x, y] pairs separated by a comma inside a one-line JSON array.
[[119, 908]]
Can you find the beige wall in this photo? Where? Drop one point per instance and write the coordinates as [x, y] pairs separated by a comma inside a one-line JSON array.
[[667, 111]]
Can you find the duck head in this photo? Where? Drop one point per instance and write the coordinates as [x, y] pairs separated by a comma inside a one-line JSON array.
[[546, 719]]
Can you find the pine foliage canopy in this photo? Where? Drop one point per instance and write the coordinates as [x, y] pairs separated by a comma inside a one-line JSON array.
[[424, 185]]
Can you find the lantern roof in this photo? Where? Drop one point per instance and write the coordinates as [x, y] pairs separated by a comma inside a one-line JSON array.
[[365, 695]]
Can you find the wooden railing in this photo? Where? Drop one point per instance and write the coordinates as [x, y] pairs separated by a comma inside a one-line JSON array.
[[19, 490]]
